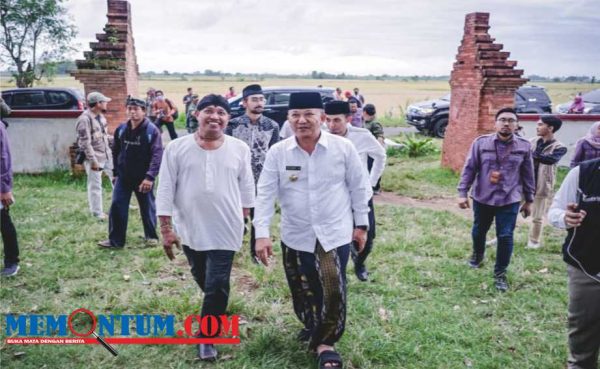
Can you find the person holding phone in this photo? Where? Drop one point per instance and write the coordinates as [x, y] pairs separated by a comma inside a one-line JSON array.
[[500, 169], [576, 208]]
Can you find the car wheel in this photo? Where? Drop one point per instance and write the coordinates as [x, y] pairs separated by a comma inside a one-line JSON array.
[[439, 128]]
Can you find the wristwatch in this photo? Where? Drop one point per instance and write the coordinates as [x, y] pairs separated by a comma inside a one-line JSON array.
[[362, 227]]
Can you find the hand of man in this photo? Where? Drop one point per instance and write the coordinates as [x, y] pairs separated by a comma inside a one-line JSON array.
[[573, 217], [264, 249], [95, 167], [246, 212], [145, 186], [170, 238], [360, 237], [526, 209], [463, 203], [7, 199]]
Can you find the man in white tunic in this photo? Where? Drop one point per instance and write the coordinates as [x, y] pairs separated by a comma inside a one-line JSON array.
[[320, 184], [206, 188], [338, 118]]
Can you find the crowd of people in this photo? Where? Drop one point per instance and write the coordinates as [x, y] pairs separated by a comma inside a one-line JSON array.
[[323, 171]]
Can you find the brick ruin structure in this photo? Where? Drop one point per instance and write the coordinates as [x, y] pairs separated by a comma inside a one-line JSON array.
[[482, 81], [111, 66]]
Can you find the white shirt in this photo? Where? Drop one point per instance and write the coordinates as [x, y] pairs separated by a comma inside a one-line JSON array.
[[286, 130], [567, 193], [205, 190], [367, 145], [320, 194]]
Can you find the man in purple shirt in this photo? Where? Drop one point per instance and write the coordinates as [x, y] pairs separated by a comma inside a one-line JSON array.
[[500, 169], [7, 228]]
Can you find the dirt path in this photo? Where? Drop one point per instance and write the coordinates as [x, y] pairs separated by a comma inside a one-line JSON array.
[[436, 203]]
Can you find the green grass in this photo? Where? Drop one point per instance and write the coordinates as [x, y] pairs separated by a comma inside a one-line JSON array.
[[420, 177], [423, 308]]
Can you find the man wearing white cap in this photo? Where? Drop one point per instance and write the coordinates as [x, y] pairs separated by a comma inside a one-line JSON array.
[[92, 138]]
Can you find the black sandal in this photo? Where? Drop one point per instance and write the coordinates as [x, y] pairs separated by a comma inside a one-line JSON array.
[[330, 357]]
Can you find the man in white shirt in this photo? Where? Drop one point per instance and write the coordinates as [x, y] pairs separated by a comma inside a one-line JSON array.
[[320, 184], [205, 189], [576, 207], [338, 118]]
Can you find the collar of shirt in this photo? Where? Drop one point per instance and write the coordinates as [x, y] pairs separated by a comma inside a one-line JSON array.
[[323, 141]]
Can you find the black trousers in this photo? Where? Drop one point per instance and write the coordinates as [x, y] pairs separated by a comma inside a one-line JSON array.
[[119, 213], [317, 281], [170, 128], [360, 259], [9, 238], [211, 271]]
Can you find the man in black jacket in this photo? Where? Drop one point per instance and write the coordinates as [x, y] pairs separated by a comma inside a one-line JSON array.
[[576, 207], [137, 153]]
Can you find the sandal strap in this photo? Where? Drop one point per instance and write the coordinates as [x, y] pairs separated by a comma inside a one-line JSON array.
[[330, 357]]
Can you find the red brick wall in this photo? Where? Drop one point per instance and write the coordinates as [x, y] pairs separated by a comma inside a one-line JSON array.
[[482, 81], [111, 66]]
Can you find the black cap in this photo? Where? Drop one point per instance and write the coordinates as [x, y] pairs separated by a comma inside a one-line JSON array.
[[369, 109], [132, 101], [195, 96], [352, 100], [337, 107], [212, 99], [305, 100], [252, 90]]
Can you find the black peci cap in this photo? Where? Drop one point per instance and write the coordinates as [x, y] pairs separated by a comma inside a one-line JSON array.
[[305, 100]]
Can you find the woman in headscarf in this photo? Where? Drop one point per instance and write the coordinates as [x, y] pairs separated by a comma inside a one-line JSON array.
[[577, 106], [588, 147]]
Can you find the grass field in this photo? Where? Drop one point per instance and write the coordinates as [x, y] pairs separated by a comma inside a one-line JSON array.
[[423, 308], [390, 97]]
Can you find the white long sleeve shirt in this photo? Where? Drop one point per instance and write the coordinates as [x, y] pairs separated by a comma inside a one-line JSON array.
[[320, 194], [565, 195], [205, 190], [367, 145]]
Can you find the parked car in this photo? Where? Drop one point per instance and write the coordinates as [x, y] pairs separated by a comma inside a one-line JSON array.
[[591, 99], [276, 101], [432, 116], [44, 98]]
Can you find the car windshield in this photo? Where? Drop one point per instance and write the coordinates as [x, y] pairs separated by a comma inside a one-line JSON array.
[[534, 94], [592, 96]]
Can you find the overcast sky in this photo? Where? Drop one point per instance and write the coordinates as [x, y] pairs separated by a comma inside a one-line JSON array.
[[417, 37]]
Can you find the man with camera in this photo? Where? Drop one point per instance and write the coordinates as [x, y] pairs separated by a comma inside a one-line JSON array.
[[94, 149], [166, 113]]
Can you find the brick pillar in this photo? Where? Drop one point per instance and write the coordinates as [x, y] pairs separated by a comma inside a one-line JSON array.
[[482, 81], [111, 66]]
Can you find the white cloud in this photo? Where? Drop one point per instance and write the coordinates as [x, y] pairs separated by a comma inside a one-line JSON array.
[[358, 37]]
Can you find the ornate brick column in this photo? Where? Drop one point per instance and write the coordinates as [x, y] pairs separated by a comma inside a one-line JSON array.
[[111, 66], [483, 81]]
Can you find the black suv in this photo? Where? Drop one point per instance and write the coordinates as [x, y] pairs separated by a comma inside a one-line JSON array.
[[432, 115], [276, 101], [46, 98]]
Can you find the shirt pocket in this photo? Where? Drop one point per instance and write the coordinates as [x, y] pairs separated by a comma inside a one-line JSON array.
[[515, 159]]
